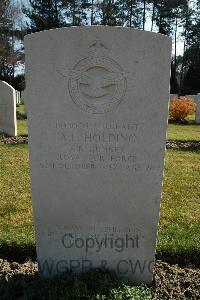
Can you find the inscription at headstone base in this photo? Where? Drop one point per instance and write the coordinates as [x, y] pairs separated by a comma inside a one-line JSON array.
[[97, 119], [8, 121]]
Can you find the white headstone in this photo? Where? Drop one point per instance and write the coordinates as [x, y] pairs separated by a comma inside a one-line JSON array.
[[16, 94], [18, 100], [97, 131], [19, 95], [8, 121], [197, 114], [23, 97]]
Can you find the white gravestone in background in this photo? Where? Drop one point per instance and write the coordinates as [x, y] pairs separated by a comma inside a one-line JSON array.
[[8, 121], [197, 114], [17, 96], [23, 99], [97, 131]]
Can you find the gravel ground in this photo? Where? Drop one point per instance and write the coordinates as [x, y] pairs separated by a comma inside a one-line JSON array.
[[170, 281], [173, 282], [190, 146], [14, 140]]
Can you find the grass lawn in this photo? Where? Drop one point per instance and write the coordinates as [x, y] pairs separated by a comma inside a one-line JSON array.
[[20, 108], [22, 127], [179, 229], [16, 221], [183, 132], [180, 212], [178, 132], [21, 124]]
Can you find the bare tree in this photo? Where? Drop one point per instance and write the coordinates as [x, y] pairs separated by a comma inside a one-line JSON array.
[[9, 56]]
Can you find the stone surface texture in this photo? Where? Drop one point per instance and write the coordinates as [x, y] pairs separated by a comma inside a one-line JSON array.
[[97, 101]]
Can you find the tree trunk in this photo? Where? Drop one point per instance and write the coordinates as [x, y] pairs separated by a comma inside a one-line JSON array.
[[131, 14], [182, 70], [103, 12], [160, 29], [92, 13], [175, 42], [56, 14], [174, 83], [153, 15], [74, 13], [144, 14]]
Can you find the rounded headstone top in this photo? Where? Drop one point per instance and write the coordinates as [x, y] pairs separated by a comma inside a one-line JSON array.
[[99, 28]]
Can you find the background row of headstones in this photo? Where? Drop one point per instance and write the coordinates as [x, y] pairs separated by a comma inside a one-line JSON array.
[[9, 97], [18, 97]]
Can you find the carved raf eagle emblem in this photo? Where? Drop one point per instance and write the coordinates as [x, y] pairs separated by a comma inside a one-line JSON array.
[[97, 83]]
